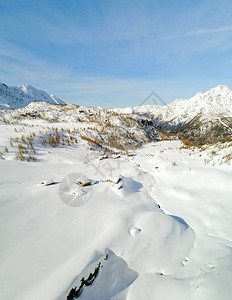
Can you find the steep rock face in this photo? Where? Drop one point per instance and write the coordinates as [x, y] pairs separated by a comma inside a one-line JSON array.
[[12, 97]]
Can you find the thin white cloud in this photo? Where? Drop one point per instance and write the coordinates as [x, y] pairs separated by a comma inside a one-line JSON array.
[[208, 31], [198, 32], [6, 54]]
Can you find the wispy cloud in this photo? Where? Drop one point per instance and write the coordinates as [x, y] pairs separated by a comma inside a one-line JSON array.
[[6, 54], [208, 31], [197, 32]]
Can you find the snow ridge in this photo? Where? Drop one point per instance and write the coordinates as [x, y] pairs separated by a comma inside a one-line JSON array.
[[213, 103], [12, 97]]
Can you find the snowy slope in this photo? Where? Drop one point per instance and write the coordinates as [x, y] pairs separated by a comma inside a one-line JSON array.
[[205, 129], [99, 126], [156, 217], [163, 231], [79, 216], [12, 97], [215, 102]]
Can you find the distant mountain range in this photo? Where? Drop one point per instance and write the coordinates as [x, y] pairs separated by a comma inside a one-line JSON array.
[[12, 97], [216, 101], [204, 118]]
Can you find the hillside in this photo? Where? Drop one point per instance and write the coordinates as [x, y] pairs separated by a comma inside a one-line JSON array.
[[204, 130], [103, 129]]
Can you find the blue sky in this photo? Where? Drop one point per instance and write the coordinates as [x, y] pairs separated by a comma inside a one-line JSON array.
[[114, 53]]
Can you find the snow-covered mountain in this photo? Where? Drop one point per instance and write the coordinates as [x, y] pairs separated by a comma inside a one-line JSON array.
[[206, 117], [12, 97], [216, 101], [206, 129]]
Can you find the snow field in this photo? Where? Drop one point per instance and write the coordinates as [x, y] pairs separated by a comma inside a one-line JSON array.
[[166, 225]]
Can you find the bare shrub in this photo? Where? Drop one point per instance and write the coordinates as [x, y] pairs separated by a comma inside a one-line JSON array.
[[91, 141], [44, 142], [227, 158], [213, 153]]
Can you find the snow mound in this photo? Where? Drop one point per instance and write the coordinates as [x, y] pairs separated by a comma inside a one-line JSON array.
[[104, 278], [75, 189]]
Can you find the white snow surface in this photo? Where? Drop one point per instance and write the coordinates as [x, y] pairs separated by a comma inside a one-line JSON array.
[[162, 216], [215, 102], [12, 97]]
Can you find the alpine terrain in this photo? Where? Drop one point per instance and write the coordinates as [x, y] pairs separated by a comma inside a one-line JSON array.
[[12, 97], [204, 118], [123, 204]]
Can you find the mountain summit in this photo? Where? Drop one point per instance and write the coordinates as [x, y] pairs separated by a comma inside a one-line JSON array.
[[12, 97], [204, 118], [216, 101]]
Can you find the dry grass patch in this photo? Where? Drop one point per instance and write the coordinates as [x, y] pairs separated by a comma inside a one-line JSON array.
[[188, 144]]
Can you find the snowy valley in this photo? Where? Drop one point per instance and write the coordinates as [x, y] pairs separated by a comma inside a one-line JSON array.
[[116, 204]]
